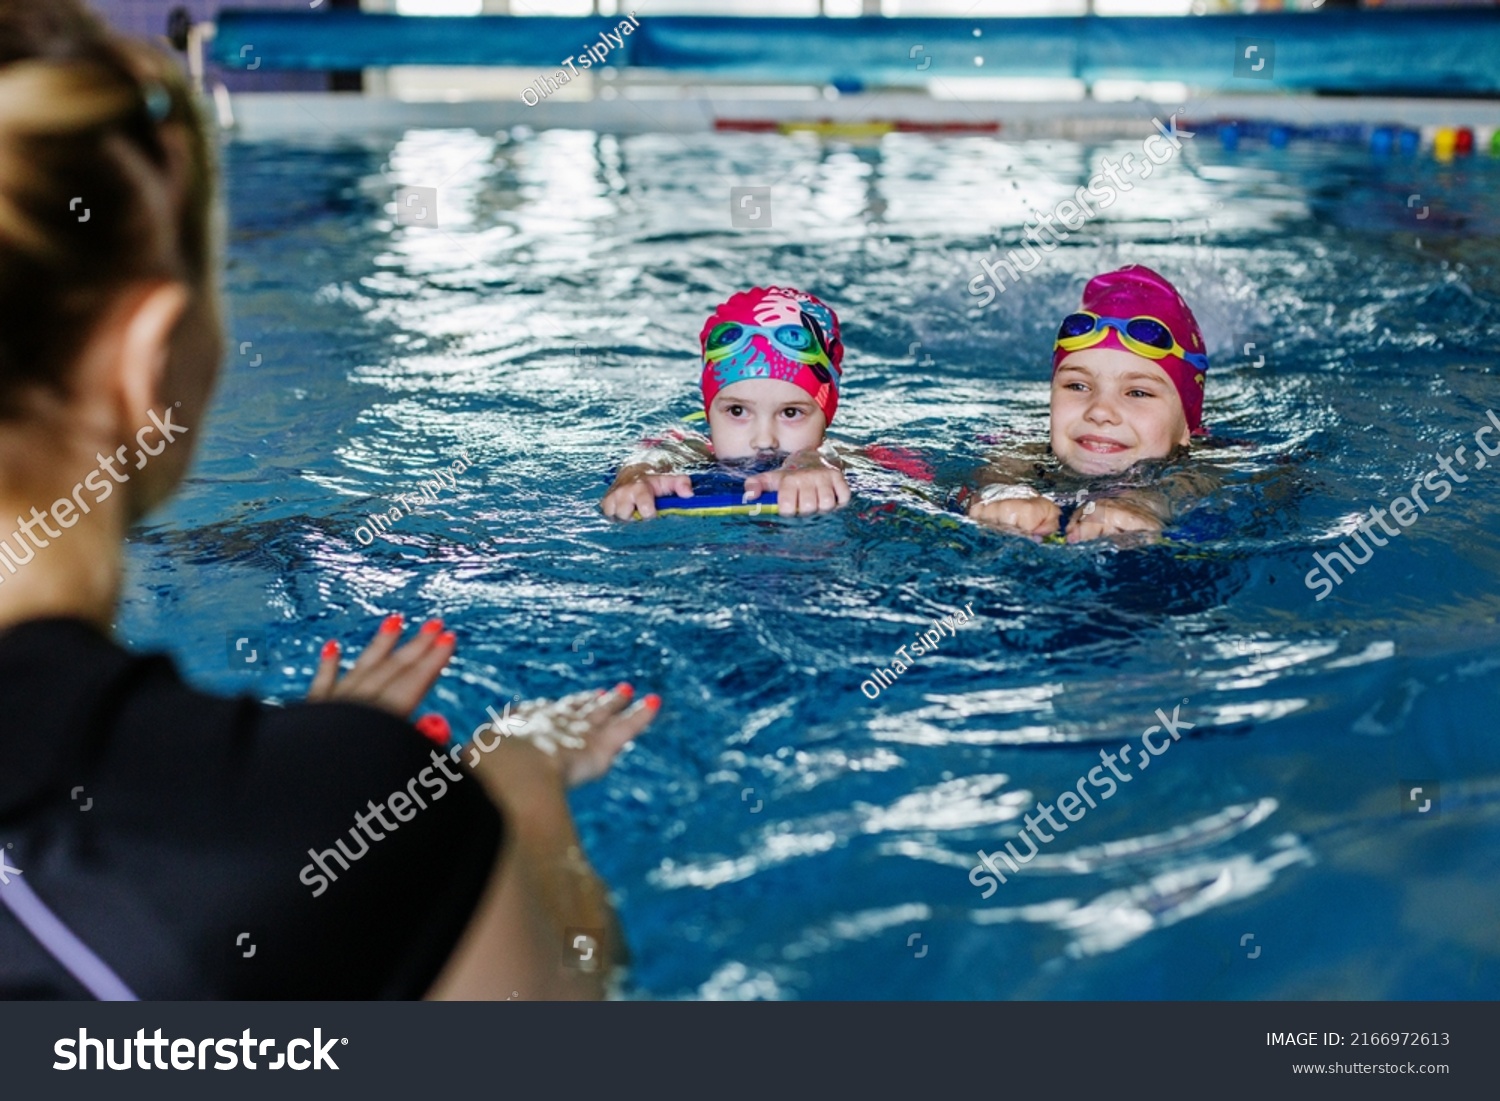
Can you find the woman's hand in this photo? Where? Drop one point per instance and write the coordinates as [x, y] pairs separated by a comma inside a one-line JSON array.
[[580, 735], [392, 679], [1112, 517], [806, 483], [524, 936], [637, 491], [1035, 517]]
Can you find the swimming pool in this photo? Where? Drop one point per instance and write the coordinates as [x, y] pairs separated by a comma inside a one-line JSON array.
[[778, 834]]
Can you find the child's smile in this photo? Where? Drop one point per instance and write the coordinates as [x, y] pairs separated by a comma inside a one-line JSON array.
[[1111, 409]]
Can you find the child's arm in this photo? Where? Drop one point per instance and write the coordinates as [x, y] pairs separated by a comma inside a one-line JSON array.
[[1006, 501], [1125, 513], [652, 473], [809, 481], [1148, 509], [1016, 509], [1011, 469]]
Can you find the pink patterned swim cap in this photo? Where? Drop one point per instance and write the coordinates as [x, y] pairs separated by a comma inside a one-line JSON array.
[[774, 332]]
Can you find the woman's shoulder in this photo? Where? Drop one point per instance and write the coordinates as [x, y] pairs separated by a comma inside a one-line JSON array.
[[187, 813], [78, 689]]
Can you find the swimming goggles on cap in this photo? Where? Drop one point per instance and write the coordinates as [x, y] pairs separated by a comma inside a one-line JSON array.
[[796, 342], [1145, 336]]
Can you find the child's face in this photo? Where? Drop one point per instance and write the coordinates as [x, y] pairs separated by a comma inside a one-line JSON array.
[[760, 415], [1111, 409]]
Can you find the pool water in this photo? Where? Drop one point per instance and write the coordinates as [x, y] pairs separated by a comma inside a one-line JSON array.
[[778, 833]]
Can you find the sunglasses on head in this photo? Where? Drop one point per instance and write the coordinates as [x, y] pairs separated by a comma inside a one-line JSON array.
[[1145, 336]]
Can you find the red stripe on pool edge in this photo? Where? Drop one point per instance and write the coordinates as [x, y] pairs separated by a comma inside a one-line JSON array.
[[905, 127], [754, 126]]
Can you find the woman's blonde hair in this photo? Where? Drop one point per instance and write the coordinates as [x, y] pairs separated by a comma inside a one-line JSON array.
[[106, 179]]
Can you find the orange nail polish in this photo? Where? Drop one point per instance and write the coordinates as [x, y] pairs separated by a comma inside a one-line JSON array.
[[447, 638], [392, 625], [432, 626], [652, 702], [625, 690], [435, 728], [330, 649]]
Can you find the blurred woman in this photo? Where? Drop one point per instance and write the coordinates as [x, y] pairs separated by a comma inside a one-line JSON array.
[[155, 839]]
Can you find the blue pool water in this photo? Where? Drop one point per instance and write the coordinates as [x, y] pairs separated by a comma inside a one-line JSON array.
[[778, 834]]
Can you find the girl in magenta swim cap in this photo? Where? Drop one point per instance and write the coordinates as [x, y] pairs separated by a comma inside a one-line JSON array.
[[772, 363], [1128, 368]]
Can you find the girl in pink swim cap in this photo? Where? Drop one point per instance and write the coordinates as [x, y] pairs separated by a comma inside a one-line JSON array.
[[772, 363], [1127, 386]]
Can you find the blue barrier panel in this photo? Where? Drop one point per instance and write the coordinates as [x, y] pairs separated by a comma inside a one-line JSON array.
[[889, 50], [1452, 52], [351, 40]]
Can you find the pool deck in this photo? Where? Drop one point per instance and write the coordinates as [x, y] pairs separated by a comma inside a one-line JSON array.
[[688, 110]]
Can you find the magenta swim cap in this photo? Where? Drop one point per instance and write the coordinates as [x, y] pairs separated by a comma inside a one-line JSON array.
[[774, 332], [1137, 291]]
